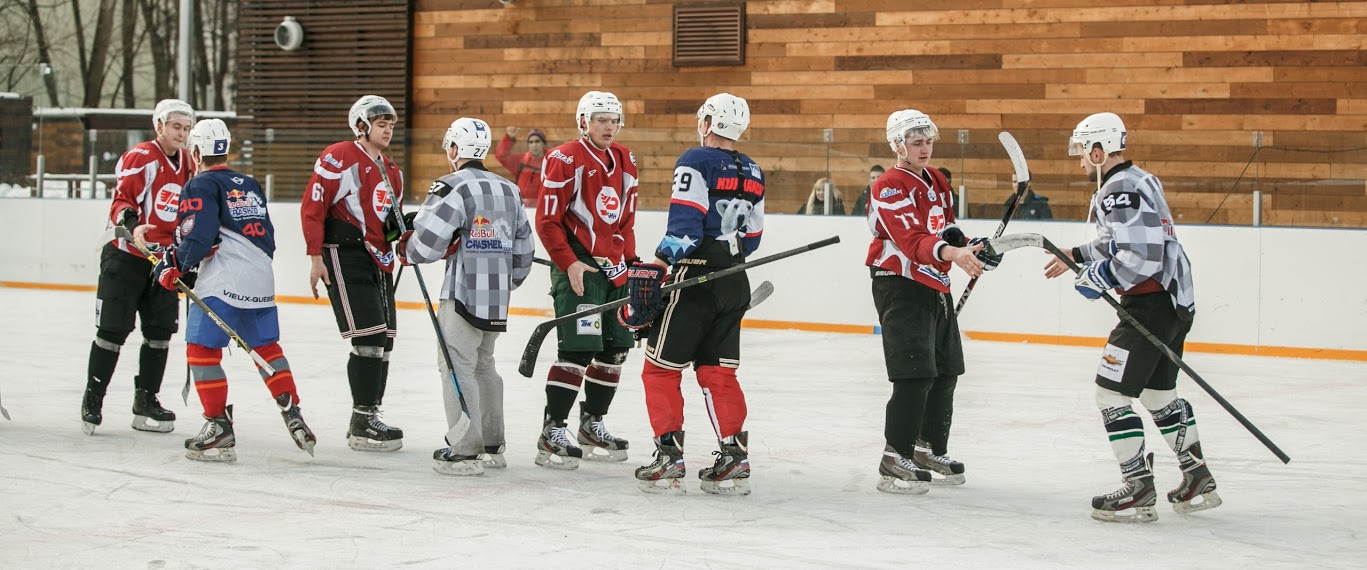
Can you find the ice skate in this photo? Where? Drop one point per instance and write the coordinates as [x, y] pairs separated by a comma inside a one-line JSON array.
[[597, 442], [665, 475], [1132, 502], [493, 457], [554, 449], [730, 475], [90, 411], [294, 422], [950, 472], [1197, 491], [901, 475], [447, 462], [215, 441], [369, 433], [148, 415]]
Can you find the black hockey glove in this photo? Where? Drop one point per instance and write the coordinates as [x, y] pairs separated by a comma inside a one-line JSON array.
[[392, 232], [990, 261], [189, 277], [644, 281], [954, 236], [128, 218]]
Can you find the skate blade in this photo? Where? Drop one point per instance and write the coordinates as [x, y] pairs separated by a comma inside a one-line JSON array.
[[1140, 514], [1209, 501], [552, 461], [737, 487], [948, 480], [888, 484], [359, 443], [493, 461], [144, 423], [304, 440], [214, 455], [88, 428], [458, 468], [605, 455], [672, 486]]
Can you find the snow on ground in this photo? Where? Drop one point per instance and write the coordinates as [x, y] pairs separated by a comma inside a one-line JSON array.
[[1025, 426]]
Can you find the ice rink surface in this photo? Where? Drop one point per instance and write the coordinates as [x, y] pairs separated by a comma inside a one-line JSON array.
[[1025, 426]]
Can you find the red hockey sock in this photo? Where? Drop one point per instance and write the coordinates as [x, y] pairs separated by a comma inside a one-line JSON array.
[[725, 401], [664, 401], [283, 380], [210, 381]]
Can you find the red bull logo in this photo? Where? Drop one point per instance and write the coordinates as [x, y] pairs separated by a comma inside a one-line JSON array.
[[482, 228]]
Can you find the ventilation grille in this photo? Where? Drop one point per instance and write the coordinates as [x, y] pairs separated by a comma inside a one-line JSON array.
[[709, 34]]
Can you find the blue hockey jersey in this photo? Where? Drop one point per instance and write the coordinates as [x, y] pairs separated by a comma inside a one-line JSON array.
[[224, 228], [718, 196]]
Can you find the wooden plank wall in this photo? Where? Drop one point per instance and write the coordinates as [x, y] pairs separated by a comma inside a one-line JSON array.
[[351, 48], [1193, 79]]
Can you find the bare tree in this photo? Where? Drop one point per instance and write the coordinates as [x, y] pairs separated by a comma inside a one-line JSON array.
[[44, 54]]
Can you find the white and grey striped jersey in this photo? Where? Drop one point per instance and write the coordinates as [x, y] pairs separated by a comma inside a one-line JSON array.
[[1135, 230], [482, 214]]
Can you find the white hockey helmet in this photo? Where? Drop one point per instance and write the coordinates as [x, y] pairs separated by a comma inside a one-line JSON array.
[[730, 115], [910, 123], [368, 108], [1105, 129], [167, 107], [469, 136], [598, 102], [210, 137]]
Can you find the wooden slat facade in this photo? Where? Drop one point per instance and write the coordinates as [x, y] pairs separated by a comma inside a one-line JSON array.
[[1193, 79]]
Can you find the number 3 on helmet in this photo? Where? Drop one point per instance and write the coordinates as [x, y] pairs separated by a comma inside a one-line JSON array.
[[210, 137]]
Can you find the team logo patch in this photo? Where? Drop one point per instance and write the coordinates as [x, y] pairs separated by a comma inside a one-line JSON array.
[[186, 226], [334, 162], [935, 220], [488, 236], [1112, 365], [243, 205], [168, 202], [886, 193], [608, 205], [560, 156], [590, 325], [238, 179], [380, 201]]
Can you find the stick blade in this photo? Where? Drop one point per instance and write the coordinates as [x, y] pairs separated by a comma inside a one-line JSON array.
[[1003, 244], [457, 431], [1013, 150], [527, 364], [760, 294]]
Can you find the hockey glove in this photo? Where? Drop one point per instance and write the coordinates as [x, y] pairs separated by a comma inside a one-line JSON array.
[[128, 218], [644, 281], [954, 236], [166, 273], [1094, 279], [190, 277], [990, 261], [392, 232]]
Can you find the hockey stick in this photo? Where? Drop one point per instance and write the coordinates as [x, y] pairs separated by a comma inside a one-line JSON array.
[[540, 261], [1015, 241], [462, 426], [1013, 150], [124, 234], [760, 293], [527, 364]]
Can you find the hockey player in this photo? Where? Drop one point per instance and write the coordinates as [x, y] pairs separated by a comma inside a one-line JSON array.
[[149, 180], [585, 221], [716, 218], [1136, 252], [225, 230], [480, 216], [915, 242], [348, 223], [525, 167]]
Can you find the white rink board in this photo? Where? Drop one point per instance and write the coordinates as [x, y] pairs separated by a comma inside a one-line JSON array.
[[1277, 287], [1025, 426]]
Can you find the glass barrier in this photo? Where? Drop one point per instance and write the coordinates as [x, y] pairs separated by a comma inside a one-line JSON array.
[[1227, 178]]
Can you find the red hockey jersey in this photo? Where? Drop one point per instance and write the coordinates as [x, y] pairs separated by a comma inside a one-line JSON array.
[[906, 216], [348, 185], [148, 182], [591, 200]]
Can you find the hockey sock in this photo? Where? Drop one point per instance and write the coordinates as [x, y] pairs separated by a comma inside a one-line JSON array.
[[1126, 432], [282, 381], [724, 398], [104, 357], [664, 400], [384, 375], [1178, 425], [600, 385], [152, 364], [905, 413], [939, 414], [210, 381], [562, 389], [364, 371]]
